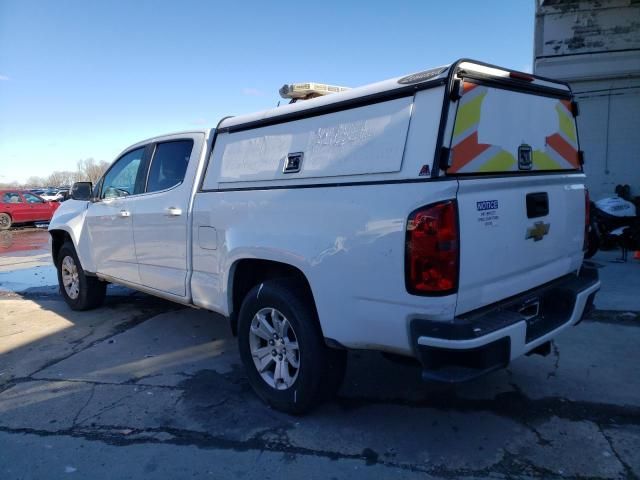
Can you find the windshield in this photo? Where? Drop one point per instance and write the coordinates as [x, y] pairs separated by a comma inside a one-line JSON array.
[[498, 130]]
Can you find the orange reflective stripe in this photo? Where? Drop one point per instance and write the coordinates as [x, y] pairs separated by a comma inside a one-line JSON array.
[[466, 150], [468, 86], [564, 149]]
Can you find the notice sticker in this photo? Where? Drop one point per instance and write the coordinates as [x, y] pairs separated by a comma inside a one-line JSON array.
[[488, 215]]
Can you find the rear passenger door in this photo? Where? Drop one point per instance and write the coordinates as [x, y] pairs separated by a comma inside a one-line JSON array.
[[160, 216]]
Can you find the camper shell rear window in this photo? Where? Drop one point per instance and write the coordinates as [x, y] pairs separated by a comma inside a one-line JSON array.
[[499, 130]]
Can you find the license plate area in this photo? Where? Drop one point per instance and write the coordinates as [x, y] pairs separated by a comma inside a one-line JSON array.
[[546, 312]]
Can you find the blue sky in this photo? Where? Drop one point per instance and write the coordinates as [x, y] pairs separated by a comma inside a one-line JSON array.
[[82, 79]]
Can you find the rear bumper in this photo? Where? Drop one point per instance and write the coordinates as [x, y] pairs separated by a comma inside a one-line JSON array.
[[489, 338]]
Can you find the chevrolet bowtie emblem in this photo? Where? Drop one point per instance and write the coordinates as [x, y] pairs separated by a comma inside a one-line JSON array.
[[539, 230]]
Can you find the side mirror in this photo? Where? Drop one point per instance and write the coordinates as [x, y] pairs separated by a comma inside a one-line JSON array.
[[81, 191]]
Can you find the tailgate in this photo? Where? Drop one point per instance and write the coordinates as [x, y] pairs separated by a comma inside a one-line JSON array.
[[508, 244], [521, 194]]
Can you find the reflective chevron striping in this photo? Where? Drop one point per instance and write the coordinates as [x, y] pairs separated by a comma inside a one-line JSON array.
[[469, 156]]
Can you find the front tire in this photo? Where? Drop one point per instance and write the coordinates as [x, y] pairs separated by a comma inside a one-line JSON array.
[[282, 347], [80, 291]]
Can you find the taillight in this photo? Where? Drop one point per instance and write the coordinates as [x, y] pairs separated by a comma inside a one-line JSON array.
[[587, 213], [431, 261]]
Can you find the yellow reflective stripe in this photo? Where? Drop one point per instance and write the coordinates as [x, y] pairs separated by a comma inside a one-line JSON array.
[[567, 124], [468, 114], [542, 161], [501, 162]]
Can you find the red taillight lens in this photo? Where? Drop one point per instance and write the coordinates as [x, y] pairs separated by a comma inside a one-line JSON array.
[[431, 264], [587, 212]]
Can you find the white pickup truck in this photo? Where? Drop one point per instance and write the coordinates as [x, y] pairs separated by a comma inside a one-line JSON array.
[[439, 216]]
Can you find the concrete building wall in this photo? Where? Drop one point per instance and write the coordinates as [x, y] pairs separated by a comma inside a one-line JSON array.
[[595, 46]]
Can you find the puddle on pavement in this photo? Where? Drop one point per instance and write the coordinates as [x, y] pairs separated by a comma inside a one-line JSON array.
[[40, 279], [19, 240], [18, 273]]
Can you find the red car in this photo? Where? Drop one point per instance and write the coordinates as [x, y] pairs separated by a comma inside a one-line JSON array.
[[18, 206]]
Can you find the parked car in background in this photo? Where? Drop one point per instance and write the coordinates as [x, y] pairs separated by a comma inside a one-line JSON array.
[[63, 194], [21, 206], [52, 195]]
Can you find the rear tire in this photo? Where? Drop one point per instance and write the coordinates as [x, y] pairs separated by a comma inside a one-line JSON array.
[[5, 221], [80, 291], [293, 380]]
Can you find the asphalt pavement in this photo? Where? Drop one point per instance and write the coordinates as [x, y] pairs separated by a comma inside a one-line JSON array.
[[142, 388]]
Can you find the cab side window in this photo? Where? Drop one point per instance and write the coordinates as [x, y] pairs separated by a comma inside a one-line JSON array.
[[123, 178], [169, 164], [31, 198], [11, 197]]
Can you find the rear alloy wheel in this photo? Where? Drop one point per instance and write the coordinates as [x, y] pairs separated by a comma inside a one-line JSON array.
[[274, 348], [283, 350], [5, 221], [80, 291]]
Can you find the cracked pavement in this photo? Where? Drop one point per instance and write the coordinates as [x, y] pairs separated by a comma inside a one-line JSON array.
[[141, 388]]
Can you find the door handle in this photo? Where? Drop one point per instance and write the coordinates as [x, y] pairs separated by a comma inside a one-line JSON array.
[[124, 213], [174, 212]]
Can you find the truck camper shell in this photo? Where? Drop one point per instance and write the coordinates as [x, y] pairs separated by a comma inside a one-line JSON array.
[[372, 133]]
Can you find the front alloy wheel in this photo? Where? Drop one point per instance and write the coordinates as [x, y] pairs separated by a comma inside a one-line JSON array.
[[79, 290], [70, 280]]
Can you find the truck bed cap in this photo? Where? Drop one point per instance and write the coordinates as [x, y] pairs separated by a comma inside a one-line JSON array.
[[386, 89], [414, 81]]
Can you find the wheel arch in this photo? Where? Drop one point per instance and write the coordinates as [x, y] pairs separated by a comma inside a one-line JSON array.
[[58, 238], [246, 273]]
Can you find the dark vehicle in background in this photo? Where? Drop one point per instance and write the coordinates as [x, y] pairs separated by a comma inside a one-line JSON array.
[[21, 206], [614, 223]]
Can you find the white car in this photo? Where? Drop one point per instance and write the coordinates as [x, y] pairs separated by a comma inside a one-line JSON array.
[[51, 195], [439, 216]]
